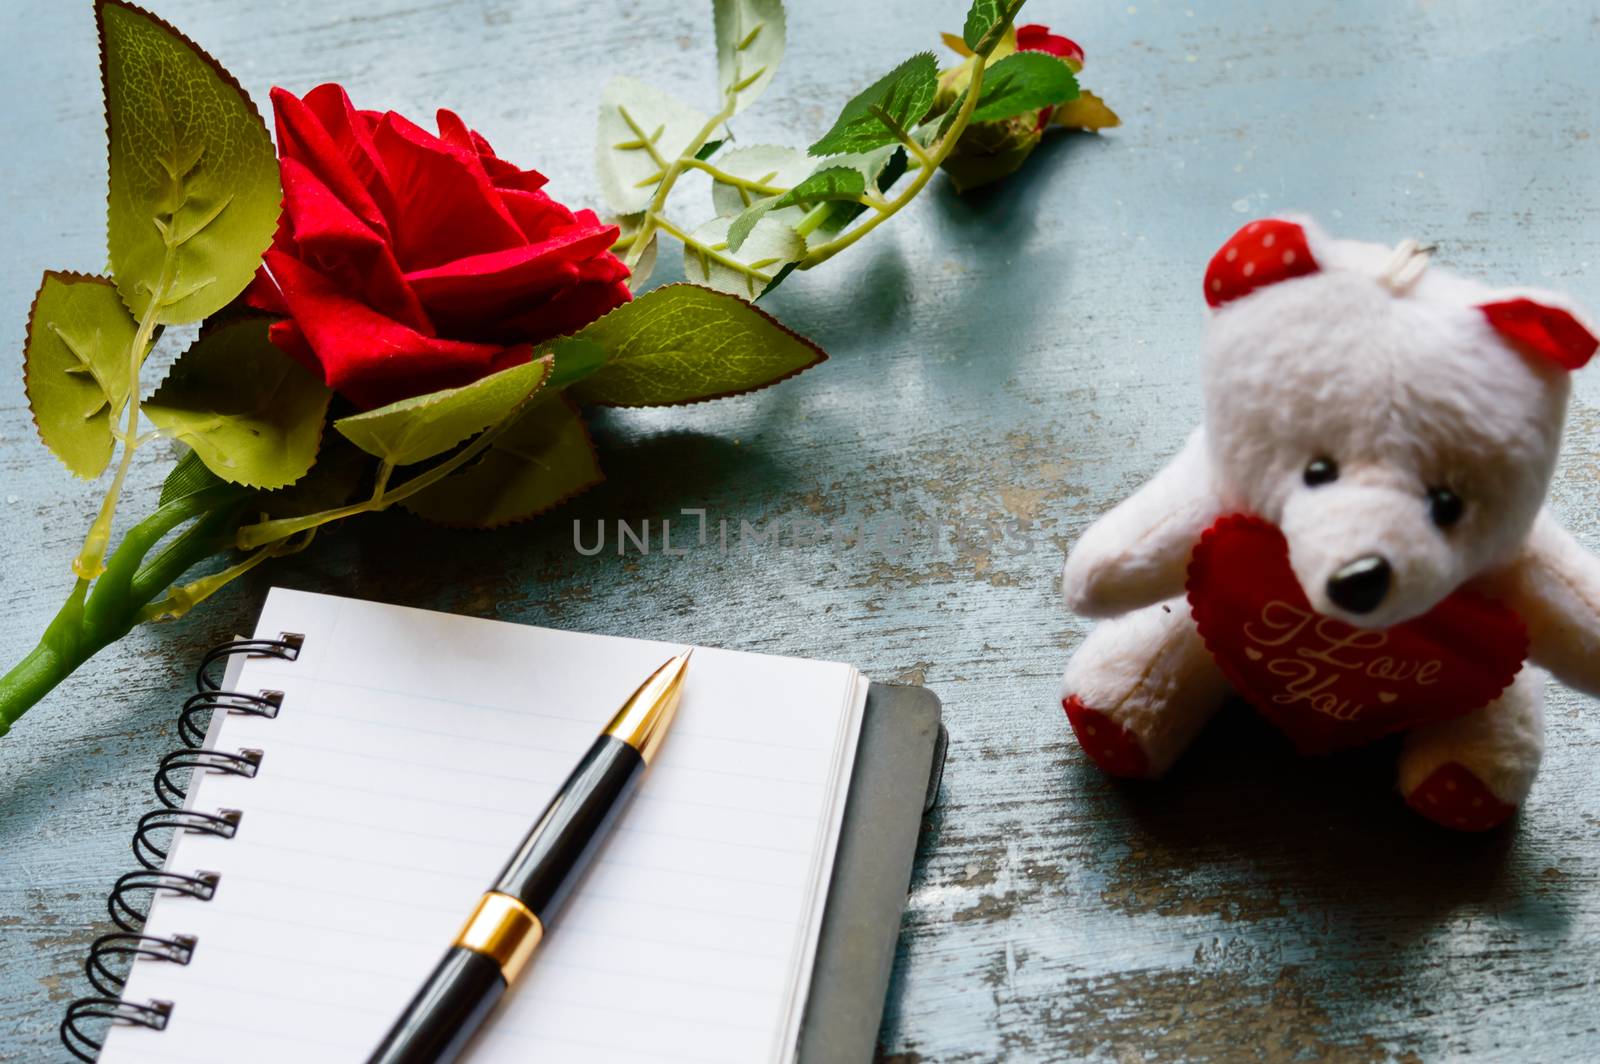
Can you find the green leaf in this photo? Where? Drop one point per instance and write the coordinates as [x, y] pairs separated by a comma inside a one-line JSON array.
[[189, 477], [750, 37], [251, 413], [542, 460], [642, 130], [708, 260], [740, 227], [75, 369], [416, 429], [880, 168], [685, 344], [987, 21], [899, 98], [830, 183], [576, 357], [1021, 83], [982, 15], [1088, 111], [708, 149], [761, 164], [782, 276], [642, 269], [341, 467], [194, 181]]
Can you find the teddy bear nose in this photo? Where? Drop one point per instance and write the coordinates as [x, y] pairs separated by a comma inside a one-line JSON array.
[[1360, 585]]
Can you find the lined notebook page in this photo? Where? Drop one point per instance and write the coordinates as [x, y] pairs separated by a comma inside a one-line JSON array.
[[412, 752]]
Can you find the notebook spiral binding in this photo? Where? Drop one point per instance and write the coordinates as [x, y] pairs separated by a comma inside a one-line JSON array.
[[171, 780]]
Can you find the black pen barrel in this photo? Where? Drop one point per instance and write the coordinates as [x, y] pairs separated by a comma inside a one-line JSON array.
[[442, 1017], [505, 930], [561, 843], [503, 934]]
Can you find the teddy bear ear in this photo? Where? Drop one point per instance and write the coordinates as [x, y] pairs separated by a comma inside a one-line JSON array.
[[1264, 252], [1542, 330]]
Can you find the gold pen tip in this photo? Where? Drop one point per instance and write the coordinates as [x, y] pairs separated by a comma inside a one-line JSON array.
[[674, 667], [643, 720]]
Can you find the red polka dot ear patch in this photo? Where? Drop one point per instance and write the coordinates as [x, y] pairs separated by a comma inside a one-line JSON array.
[[1262, 253]]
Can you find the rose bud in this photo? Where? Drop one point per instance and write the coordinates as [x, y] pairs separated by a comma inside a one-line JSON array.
[[406, 262], [988, 151]]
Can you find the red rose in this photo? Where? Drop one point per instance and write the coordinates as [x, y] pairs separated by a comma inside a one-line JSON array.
[[407, 262], [1036, 38]]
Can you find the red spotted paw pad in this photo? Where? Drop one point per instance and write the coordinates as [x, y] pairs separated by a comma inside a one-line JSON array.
[[1111, 746], [1454, 797]]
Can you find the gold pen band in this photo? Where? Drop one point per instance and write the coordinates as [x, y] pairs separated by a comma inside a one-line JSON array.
[[504, 930]]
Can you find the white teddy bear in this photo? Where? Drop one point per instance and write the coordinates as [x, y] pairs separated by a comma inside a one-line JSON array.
[[1355, 542]]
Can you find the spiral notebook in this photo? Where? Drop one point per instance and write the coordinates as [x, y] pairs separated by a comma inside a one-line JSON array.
[[367, 769]]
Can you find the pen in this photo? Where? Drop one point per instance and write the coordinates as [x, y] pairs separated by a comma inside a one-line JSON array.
[[503, 932]]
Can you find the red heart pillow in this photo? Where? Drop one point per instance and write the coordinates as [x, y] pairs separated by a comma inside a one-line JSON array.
[[1324, 683]]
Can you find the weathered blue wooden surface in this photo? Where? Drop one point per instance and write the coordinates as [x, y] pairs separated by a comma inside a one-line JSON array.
[[1021, 356]]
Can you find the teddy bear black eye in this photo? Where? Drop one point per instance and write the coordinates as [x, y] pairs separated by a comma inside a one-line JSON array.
[[1321, 471], [1445, 506]]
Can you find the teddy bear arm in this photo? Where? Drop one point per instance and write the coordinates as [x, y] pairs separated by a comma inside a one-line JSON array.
[[1138, 553], [1555, 586]]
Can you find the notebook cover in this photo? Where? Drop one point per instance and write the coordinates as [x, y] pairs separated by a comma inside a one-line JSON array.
[[899, 761]]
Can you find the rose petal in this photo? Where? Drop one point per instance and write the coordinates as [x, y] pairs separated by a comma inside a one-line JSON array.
[[325, 233], [1037, 38], [606, 268], [541, 217], [369, 358], [469, 296], [262, 293], [508, 178], [288, 338], [451, 210], [569, 310], [501, 174], [303, 138], [454, 132], [318, 220], [352, 130]]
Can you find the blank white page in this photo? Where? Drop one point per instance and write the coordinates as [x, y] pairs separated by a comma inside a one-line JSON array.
[[412, 752]]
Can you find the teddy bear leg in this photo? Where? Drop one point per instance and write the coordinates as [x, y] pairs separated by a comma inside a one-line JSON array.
[[1140, 688], [1472, 772]]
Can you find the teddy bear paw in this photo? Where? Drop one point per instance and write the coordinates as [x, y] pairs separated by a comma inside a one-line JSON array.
[[1111, 746], [1454, 797]]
